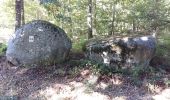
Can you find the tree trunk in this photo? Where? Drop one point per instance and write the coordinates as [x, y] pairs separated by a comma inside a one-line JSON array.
[[134, 26], [113, 19], [156, 22], [22, 12], [89, 20], [71, 22], [19, 8], [18, 14], [94, 18]]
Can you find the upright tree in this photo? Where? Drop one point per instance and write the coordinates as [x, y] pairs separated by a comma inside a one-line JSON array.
[[113, 7], [90, 19], [22, 13], [94, 16], [18, 14], [19, 8]]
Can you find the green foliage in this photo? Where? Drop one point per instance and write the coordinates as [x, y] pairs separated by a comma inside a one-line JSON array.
[[98, 68], [163, 46], [138, 15], [139, 73], [135, 75], [78, 65], [3, 48], [33, 11], [78, 43], [71, 15]]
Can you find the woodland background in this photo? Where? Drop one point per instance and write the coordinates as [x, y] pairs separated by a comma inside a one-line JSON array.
[[82, 20]]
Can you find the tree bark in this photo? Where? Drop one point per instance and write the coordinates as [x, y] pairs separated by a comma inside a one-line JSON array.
[[18, 14], [94, 17], [69, 15], [90, 20], [22, 12], [134, 25], [113, 19], [19, 9]]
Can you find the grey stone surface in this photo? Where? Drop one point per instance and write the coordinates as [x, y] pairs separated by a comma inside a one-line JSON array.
[[38, 43], [122, 51]]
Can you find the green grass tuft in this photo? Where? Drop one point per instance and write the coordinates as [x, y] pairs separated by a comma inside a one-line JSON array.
[[3, 48]]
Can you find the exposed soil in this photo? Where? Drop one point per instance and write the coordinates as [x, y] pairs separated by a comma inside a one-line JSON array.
[[54, 84]]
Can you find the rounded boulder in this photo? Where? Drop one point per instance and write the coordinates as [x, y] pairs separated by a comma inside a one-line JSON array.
[[38, 43]]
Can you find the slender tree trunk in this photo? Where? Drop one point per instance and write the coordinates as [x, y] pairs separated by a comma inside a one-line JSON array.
[[156, 23], [19, 8], [89, 19], [69, 15], [22, 12], [124, 25], [18, 14], [121, 26], [134, 26], [94, 17], [113, 19], [62, 13]]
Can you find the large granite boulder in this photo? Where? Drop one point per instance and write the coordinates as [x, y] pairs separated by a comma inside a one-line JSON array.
[[121, 51], [38, 43]]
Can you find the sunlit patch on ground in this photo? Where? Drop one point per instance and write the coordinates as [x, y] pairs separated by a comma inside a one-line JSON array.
[[154, 88], [41, 84], [120, 98], [164, 95], [72, 91], [60, 84]]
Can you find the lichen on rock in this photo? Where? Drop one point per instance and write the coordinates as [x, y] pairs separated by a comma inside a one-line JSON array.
[[38, 43]]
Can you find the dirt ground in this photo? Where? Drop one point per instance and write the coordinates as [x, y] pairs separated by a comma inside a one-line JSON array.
[[51, 84]]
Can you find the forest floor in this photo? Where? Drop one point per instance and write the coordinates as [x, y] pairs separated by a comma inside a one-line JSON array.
[[66, 82], [75, 80]]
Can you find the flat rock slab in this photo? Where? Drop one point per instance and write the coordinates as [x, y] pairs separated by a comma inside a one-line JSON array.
[[38, 43]]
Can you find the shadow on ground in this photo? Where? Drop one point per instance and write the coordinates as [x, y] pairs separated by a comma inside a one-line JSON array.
[[60, 82]]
